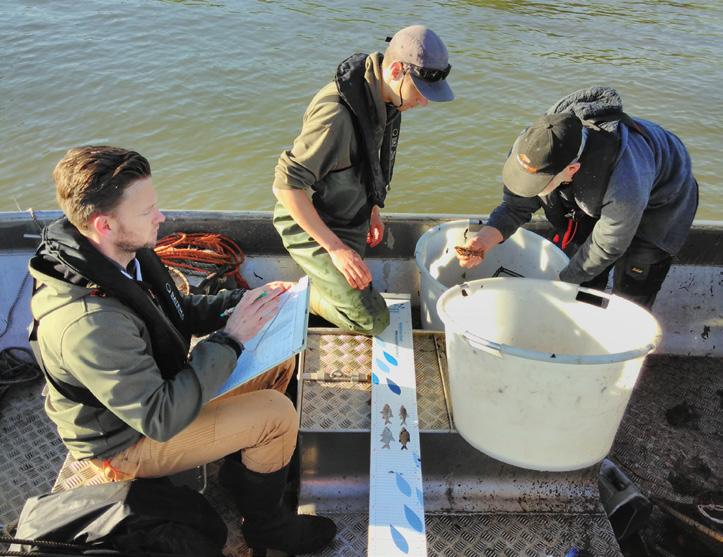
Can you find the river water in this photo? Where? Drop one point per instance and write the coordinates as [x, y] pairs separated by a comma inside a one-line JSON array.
[[212, 91]]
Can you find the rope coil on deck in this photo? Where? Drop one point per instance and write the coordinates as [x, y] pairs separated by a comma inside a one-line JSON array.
[[210, 256]]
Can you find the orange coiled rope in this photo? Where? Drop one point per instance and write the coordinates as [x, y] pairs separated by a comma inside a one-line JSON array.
[[202, 254]]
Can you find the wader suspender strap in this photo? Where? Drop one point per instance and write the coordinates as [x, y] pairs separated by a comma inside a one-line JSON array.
[[80, 395], [626, 119], [568, 236], [388, 152]]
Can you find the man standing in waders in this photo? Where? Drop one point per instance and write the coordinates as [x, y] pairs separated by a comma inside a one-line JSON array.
[[620, 192], [332, 183]]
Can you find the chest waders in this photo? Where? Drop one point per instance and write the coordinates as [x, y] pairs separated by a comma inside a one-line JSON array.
[[344, 200]]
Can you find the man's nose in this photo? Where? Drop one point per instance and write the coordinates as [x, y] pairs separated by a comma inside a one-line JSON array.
[[422, 101]]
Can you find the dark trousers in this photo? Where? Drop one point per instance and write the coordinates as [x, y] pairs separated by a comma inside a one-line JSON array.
[[638, 275]]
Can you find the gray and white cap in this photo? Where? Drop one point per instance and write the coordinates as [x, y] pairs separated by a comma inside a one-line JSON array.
[[425, 54]]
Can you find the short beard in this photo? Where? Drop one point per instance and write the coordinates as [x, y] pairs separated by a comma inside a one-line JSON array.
[[127, 247]]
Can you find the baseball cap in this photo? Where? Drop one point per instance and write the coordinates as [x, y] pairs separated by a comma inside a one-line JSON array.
[[425, 54], [543, 150]]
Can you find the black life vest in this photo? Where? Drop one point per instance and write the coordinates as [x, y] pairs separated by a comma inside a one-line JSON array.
[[68, 255], [355, 95]]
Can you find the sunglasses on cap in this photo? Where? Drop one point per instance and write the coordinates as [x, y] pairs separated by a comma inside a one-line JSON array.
[[427, 74]]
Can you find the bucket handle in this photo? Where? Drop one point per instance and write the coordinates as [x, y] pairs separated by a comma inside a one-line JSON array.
[[593, 297], [489, 346], [499, 349]]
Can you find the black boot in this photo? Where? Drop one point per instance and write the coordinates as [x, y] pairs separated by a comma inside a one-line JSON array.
[[267, 524]]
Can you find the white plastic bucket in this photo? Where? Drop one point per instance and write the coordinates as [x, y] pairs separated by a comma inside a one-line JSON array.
[[523, 254], [541, 371]]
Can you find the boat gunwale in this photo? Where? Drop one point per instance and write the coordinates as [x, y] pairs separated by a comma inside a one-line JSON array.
[[255, 232]]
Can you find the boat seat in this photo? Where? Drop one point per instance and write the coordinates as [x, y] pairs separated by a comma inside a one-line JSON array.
[[75, 473]]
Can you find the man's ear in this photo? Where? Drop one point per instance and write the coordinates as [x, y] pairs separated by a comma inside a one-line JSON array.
[[396, 70], [574, 167], [100, 225]]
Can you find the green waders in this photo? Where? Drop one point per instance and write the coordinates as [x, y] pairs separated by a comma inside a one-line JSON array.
[[359, 311]]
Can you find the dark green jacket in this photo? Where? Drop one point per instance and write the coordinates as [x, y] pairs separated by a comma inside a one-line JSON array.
[[327, 161], [98, 342]]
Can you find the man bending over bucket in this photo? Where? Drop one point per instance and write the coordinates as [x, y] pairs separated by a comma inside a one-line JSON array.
[[113, 334], [619, 190], [333, 182]]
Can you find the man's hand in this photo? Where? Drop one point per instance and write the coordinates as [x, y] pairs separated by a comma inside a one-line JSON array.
[[352, 266], [487, 238], [254, 310], [376, 228]]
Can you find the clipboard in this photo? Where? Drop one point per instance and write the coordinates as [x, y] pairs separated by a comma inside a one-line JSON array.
[[280, 339]]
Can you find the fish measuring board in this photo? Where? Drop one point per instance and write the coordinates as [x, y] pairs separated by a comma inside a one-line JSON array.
[[396, 496]]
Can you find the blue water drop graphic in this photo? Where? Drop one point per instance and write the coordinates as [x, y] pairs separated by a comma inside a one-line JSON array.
[[399, 540], [417, 460], [413, 519], [403, 485], [381, 365], [420, 497], [375, 379], [394, 387], [391, 359]]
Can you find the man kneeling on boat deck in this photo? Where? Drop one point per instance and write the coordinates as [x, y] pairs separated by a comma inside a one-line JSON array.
[[619, 190], [333, 182], [114, 332]]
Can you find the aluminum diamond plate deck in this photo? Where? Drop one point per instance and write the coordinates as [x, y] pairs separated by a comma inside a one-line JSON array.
[[648, 447], [493, 535], [344, 405], [671, 439], [333, 356], [31, 452]]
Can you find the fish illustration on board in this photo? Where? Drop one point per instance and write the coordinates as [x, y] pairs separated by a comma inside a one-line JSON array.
[[404, 438], [387, 437], [403, 415], [387, 413]]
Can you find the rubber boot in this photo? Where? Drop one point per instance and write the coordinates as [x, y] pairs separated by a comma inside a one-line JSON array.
[[267, 524]]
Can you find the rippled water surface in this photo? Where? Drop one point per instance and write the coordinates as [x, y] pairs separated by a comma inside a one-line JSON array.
[[211, 92]]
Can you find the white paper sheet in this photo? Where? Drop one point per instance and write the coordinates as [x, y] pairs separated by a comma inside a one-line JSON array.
[[281, 338]]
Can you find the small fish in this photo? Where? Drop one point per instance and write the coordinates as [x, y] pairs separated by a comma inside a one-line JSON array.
[[404, 438], [386, 414], [403, 415], [387, 437], [468, 252]]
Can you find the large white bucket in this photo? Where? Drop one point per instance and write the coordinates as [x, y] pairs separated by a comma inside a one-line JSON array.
[[541, 371], [523, 254]]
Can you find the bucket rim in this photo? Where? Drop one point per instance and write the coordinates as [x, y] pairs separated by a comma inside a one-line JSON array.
[[499, 348], [424, 270], [427, 233]]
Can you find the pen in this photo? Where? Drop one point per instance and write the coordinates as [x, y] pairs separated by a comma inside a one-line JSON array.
[[229, 311]]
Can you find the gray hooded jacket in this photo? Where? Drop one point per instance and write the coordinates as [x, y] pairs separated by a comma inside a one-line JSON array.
[[651, 193]]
